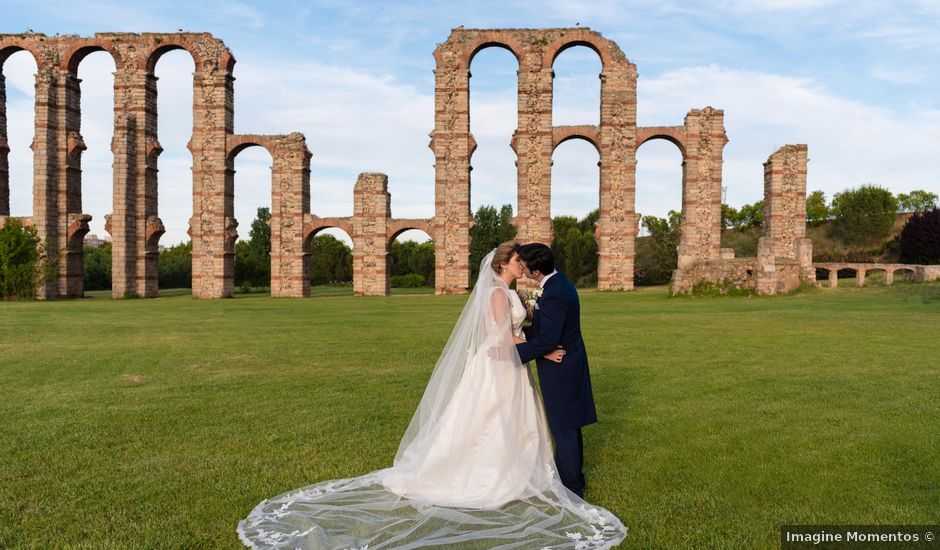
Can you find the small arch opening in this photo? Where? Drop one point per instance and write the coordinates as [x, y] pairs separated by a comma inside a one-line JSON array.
[[16, 160], [574, 209], [493, 120], [331, 262], [576, 89], [411, 262]]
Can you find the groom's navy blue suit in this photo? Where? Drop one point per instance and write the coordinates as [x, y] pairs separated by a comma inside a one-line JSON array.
[[566, 386]]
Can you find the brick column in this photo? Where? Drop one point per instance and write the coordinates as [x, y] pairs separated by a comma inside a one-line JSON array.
[[833, 278], [148, 226], [69, 152], [785, 199], [452, 145], [4, 149], [213, 225], [372, 212], [532, 143], [290, 200], [617, 220], [129, 88], [46, 159], [701, 200]]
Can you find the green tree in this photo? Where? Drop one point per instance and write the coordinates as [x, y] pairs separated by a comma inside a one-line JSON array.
[[919, 241], [330, 261], [917, 201], [750, 215], [253, 257], [98, 267], [575, 248], [410, 257], [175, 266], [729, 216], [863, 215], [816, 209], [490, 228], [24, 265], [657, 255]]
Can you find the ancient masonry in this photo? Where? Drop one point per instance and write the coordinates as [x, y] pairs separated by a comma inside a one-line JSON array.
[[136, 228]]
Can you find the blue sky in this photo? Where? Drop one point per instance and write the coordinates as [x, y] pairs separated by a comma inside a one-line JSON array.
[[855, 80]]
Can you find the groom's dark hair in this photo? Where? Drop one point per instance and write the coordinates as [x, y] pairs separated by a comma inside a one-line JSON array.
[[537, 257]]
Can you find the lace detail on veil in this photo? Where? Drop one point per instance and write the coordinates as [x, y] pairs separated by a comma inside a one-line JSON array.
[[474, 466]]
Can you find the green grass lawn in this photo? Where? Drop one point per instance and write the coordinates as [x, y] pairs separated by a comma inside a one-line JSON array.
[[160, 423]]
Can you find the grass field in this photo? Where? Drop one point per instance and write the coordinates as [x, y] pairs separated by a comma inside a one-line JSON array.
[[161, 423]]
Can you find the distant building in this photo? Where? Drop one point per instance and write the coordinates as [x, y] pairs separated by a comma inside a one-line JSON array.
[[94, 241]]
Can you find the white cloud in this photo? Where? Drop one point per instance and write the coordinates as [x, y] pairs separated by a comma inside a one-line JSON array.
[[849, 142]]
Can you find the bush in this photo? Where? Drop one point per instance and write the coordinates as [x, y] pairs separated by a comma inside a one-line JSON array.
[[919, 241], [98, 267], [863, 215], [175, 266], [24, 266], [411, 280]]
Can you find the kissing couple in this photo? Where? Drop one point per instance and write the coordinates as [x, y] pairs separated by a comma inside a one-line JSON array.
[[476, 466]]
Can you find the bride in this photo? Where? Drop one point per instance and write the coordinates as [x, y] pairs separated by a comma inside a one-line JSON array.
[[475, 467]]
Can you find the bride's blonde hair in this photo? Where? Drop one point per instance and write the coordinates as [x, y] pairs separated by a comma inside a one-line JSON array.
[[503, 254]]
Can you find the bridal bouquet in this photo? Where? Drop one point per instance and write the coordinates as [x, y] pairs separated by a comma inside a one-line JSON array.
[[529, 297]]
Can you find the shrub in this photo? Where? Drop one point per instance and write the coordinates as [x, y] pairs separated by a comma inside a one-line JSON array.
[[919, 241], [24, 265], [863, 215], [98, 267], [175, 266], [411, 280]]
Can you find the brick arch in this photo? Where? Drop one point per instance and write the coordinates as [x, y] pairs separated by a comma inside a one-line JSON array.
[[150, 59], [607, 50], [588, 133], [315, 226], [489, 39], [235, 144], [74, 57], [397, 227], [7, 50], [673, 134]]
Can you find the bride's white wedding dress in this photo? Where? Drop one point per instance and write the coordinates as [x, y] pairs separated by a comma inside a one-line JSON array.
[[475, 467]]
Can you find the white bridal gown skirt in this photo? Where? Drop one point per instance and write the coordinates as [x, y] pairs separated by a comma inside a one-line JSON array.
[[485, 478]]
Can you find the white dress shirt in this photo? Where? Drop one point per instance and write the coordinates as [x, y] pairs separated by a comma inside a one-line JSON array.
[[546, 278]]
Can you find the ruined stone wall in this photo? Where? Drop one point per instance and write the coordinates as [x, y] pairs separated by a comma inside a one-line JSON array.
[[372, 211]]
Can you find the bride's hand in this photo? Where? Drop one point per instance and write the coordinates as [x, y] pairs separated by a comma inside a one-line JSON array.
[[517, 340], [556, 356]]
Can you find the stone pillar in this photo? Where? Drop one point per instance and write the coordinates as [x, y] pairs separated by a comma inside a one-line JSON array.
[[833, 278], [129, 87], [860, 278], [46, 159], [148, 226], [766, 275], [804, 253], [372, 211], [616, 227], [290, 199], [452, 145], [213, 227], [532, 143], [4, 148], [889, 276], [69, 152], [701, 188], [785, 199]]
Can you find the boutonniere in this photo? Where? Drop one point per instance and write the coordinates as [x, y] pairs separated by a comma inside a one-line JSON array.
[[529, 299]]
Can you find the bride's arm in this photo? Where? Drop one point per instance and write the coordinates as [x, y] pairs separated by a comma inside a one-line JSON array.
[[500, 312]]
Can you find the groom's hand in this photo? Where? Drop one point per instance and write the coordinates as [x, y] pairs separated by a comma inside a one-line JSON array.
[[557, 355]]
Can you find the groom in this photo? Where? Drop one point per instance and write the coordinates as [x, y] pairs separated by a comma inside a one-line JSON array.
[[566, 386]]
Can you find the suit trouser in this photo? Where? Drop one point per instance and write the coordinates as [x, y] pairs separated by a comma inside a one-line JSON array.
[[569, 457]]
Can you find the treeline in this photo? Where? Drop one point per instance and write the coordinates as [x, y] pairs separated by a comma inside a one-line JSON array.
[[855, 225]]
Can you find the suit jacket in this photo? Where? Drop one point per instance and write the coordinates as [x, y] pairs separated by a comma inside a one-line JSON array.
[[566, 386]]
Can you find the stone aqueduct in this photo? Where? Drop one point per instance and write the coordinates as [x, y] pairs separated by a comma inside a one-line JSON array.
[[136, 228]]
